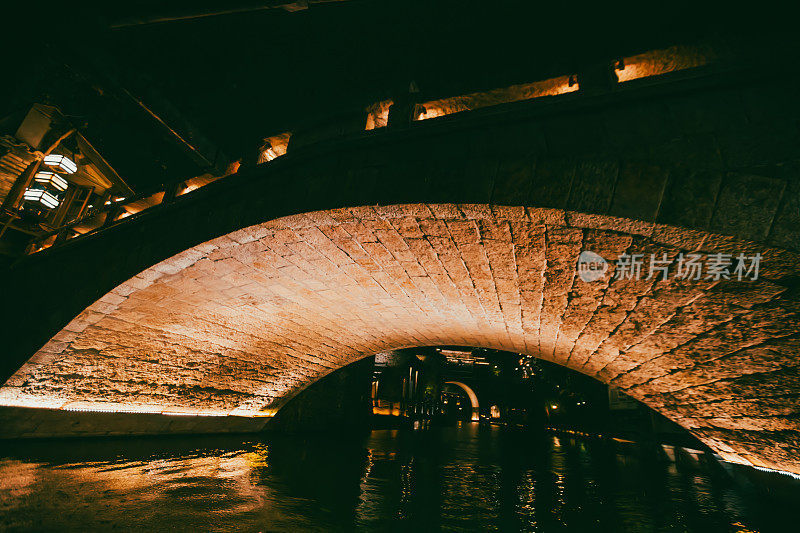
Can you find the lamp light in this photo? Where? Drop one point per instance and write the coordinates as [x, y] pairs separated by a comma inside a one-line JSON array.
[[41, 196], [61, 162], [51, 179]]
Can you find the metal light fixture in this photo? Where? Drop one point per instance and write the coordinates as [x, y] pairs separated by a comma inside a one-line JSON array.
[[41, 196], [46, 188], [51, 179], [61, 162]]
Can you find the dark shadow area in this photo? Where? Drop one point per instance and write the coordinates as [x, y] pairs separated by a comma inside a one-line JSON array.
[[416, 387]]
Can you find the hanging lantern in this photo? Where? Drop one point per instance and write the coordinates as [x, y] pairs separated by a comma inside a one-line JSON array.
[[51, 180], [61, 162], [47, 186], [41, 196]]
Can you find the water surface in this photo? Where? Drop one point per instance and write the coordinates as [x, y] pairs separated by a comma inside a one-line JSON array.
[[457, 479]]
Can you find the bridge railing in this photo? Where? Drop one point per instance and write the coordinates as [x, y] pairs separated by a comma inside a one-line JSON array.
[[681, 60], [114, 211]]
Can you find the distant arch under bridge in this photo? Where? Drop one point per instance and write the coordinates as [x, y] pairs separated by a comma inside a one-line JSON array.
[[473, 398]]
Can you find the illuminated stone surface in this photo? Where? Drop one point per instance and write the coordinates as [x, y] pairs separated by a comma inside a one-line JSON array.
[[248, 319], [243, 322]]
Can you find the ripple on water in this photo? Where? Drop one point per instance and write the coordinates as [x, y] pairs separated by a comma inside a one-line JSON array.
[[465, 478]]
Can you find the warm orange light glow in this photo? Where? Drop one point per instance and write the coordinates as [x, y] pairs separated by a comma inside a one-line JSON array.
[[17, 480], [395, 411], [233, 168], [44, 402], [734, 458], [663, 61], [198, 182], [473, 398], [274, 147], [378, 115], [48, 402], [515, 93]]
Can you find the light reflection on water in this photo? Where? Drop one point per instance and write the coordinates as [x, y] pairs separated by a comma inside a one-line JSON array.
[[465, 478]]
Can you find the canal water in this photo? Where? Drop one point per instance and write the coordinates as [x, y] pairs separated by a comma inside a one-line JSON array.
[[466, 478]]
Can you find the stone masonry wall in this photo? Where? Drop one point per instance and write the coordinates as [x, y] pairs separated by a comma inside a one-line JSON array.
[[185, 298], [242, 323]]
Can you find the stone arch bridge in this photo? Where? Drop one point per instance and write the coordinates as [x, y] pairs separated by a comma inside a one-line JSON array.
[[459, 231]]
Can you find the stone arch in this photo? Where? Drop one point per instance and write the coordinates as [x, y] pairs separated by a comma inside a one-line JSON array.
[[473, 398], [656, 158], [241, 323]]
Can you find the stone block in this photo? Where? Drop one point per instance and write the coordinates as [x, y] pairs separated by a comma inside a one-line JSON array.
[[747, 205]]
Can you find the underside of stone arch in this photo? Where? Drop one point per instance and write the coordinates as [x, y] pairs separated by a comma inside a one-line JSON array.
[[242, 323], [473, 398]]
